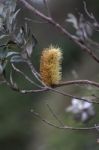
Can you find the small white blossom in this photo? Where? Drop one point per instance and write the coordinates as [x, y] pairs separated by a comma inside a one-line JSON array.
[[81, 110]]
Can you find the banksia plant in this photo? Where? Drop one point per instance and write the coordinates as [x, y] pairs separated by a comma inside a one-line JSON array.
[[50, 65]]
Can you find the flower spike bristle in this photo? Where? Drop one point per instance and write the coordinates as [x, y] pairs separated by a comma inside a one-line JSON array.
[[50, 65]]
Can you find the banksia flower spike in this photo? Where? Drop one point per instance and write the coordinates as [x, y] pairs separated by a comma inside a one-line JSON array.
[[50, 65]]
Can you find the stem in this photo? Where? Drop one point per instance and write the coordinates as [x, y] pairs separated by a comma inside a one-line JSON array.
[[81, 82], [37, 115], [60, 28]]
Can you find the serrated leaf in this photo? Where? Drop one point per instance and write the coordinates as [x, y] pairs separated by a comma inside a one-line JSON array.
[[11, 53], [29, 47], [4, 64], [16, 13], [3, 54], [10, 4], [3, 36], [1, 23], [1, 69], [1, 9], [11, 19], [17, 59], [72, 19], [12, 82], [20, 37]]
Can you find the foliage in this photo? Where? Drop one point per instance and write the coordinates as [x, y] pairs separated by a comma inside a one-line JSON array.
[[16, 48]]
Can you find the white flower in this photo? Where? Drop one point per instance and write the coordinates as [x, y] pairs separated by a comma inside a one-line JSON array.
[[81, 110]]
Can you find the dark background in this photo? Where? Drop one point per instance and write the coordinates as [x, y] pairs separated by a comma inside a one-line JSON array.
[[19, 129]]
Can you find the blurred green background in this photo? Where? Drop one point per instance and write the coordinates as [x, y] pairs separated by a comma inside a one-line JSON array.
[[19, 129]]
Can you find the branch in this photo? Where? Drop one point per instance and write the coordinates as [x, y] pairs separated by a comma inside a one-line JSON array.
[[78, 82], [73, 96], [35, 73], [22, 91], [60, 28], [54, 115], [46, 88], [37, 115], [25, 76]]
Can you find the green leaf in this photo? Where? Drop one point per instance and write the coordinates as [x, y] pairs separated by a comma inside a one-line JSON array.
[[11, 53], [17, 59], [30, 45]]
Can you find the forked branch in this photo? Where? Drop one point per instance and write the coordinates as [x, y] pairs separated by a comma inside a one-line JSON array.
[[61, 29], [37, 115]]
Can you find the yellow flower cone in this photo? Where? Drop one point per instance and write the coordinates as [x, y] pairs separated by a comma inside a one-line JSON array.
[[50, 65]]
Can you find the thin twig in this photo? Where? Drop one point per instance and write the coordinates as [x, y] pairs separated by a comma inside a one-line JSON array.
[[60, 28], [36, 114], [25, 76], [54, 115], [23, 91], [35, 21], [48, 10], [35, 73], [78, 82], [87, 12], [72, 96], [47, 88]]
